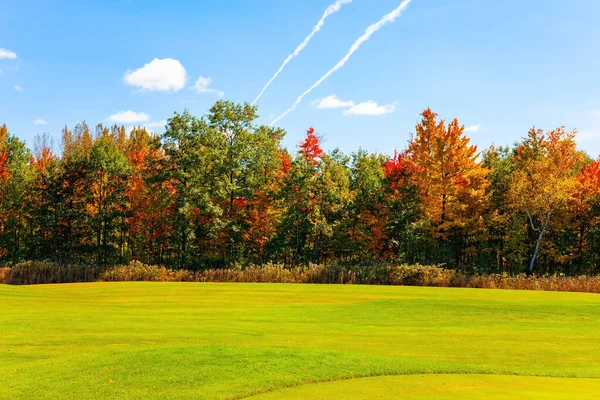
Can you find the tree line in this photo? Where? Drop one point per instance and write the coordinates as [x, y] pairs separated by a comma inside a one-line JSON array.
[[221, 189]]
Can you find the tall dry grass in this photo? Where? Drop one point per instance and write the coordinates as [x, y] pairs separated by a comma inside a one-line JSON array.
[[589, 284], [408, 275], [137, 271]]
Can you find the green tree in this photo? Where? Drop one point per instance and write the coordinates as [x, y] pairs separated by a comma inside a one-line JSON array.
[[106, 180], [16, 181]]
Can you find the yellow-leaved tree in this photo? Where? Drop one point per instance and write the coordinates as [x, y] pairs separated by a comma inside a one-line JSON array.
[[545, 179]]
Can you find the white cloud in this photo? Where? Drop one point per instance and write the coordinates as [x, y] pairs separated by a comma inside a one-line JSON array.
[[128, 117], [332, 101], [5, 53], [365, 108], [202, 86], [588, 136], [18, 88], [157, 124], [1, 72], [40, 121], [166, 75], [370, 108], [473, 129]]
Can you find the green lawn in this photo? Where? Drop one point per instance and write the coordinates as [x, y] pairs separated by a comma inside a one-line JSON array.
[[232, 341]]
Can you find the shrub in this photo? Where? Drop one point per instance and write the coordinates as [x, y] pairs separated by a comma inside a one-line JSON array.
[[34, 272], [5, 274], [419, 275]]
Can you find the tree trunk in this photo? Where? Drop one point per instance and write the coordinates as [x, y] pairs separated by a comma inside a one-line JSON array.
[[535, 252], [541, 231]]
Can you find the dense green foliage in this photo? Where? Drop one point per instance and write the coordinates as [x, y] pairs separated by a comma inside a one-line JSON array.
[[220, 189], [228, 341]]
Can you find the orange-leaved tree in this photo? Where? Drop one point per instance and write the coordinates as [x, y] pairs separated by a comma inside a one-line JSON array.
[[451, 179], [584, 207]]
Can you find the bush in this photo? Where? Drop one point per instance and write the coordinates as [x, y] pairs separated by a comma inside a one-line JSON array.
[[34, 272], [5, 274], [419, 275]]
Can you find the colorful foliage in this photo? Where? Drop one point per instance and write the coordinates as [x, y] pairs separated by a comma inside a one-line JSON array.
[[221, 189]]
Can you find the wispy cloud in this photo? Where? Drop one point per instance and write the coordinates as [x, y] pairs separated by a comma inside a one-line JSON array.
[[588, 136], [156, 126], [128, 117], [40, 121], [18, 88], [473, 129], [202, 86], [332, 102], [1, 72], [332, 9], [389, 18], [365, 108], [370, 108], [7, 54], [158, 75]]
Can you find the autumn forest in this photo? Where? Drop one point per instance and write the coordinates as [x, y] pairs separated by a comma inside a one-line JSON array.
[[220, 189]]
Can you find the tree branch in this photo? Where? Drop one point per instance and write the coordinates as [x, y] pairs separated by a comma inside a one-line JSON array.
[[531, 221]]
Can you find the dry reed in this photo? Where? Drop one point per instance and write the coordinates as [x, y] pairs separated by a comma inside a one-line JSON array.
[[408, 275]]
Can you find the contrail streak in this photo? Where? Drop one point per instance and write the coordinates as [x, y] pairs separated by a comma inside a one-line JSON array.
[[391, 17], [332, 9]]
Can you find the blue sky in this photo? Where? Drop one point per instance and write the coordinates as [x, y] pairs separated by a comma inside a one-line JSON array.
[[499, 66]]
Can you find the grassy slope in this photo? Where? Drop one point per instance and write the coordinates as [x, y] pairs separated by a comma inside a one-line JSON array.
[[157, 340], [450, 387]]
